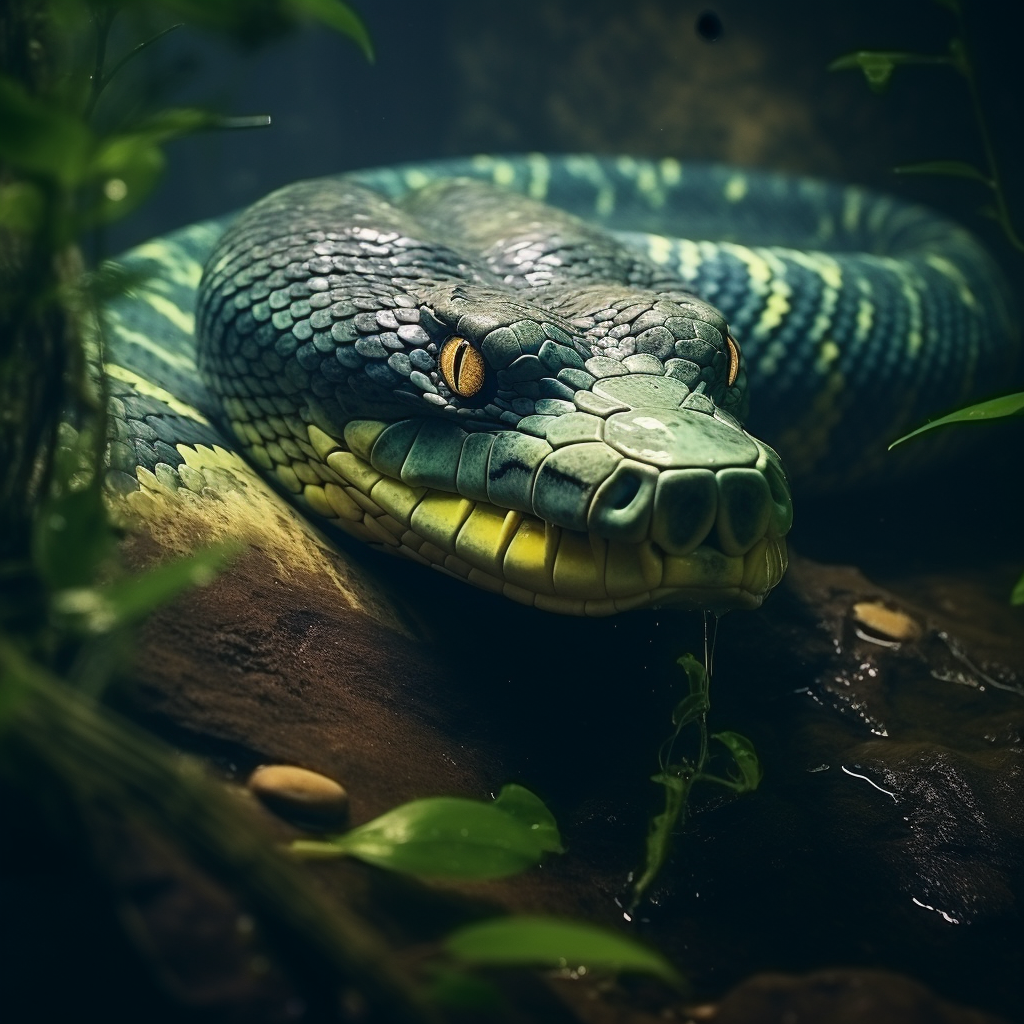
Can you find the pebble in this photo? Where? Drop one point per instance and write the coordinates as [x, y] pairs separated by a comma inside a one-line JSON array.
[[888, 622], [300, 794]]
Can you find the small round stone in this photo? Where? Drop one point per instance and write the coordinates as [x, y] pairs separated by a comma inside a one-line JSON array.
[[299, 794], [887, 622]]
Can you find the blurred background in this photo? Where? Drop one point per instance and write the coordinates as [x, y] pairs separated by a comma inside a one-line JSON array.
[[740, 81]]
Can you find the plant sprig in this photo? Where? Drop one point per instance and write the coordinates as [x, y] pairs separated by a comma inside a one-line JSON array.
[[450, 837], [464, 839], [994, 409], [878, 67], [678, 777]]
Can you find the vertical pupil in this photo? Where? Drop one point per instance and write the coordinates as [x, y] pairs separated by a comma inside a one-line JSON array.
[[460, 355]]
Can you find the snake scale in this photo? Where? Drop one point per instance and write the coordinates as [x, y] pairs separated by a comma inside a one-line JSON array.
[[527, 371]]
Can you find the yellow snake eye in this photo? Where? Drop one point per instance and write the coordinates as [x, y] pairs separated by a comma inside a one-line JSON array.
[[462, 367], [734, 359]]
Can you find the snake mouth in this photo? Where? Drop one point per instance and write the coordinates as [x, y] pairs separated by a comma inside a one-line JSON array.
[[525, 558]]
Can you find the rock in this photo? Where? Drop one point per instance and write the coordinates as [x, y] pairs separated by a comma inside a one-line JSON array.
[[300, 794], [840, 997], [889, 623]]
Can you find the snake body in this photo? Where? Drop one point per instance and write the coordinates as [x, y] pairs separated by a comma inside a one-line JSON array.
[[524, 372]]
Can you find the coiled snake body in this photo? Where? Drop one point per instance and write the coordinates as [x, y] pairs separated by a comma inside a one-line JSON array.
[[547, 400]]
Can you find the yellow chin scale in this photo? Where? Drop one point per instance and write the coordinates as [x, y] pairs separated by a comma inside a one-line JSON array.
[[516, 554]]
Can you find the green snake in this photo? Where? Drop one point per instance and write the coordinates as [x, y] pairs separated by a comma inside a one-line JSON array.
[[526, 371]]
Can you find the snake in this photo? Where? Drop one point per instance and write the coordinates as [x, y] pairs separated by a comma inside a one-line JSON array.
[[588, 384]]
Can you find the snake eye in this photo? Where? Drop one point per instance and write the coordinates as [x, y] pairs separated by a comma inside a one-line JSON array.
[[462, 367], [734, 359]]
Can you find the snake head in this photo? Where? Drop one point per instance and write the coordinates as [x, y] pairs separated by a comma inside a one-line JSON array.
[[576, 447], [595, 466]]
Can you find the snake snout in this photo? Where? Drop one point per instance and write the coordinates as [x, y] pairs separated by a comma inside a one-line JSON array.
[[685, 479], [681, 509]]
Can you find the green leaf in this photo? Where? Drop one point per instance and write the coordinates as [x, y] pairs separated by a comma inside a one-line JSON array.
[[127, 168], [39, 138], [72, 536], [103, 608], [339, 16], [528, 809], [1017, 595], [175, 122], [550, 942], [696, 674], [878, 65], [111, 279], [242, 121], [690, 709], [15, 687], [21, 207], [72, 539], [993, 409], [949, 168], [745, 756], [659, 832], [256, 22], [441, 837], [246, 21], [462, 991]]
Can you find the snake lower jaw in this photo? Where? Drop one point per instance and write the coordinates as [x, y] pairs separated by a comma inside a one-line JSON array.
[[522, 557], [544, 566], [634, 575]]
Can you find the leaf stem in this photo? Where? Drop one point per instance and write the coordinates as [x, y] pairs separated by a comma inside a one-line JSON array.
[[135, 51], [101, 79], [964, 64], [103, 20]]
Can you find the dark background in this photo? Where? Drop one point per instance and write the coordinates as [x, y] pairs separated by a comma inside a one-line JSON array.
[[461, 77]]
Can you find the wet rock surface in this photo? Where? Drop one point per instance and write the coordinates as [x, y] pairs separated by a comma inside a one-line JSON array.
[[889, 827], [839, 997], [887, 832]]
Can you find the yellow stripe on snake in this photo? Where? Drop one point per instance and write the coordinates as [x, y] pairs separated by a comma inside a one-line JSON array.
[[526, 371]]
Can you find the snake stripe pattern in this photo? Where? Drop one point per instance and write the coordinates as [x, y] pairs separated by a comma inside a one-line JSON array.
[[526, 371]]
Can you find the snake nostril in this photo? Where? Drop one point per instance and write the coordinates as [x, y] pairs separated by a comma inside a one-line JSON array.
[[624, 488], [621, 509], [684, 509], [744, 509]]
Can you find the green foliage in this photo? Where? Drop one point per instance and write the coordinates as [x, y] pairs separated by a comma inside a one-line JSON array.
[[65, 604], [40, 138], [260, 21], [530, 811], [21, 206], [459, 990], [993, 409], [947, 168], [72, 540], [102, 608], [338, 16], [551, 942], [749, 773], [678, 777], [878, 66], [50, 731], [451, 837], [49, 140]]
